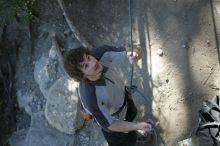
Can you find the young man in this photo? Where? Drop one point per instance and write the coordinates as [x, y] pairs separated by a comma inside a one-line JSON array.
[[103, 93]]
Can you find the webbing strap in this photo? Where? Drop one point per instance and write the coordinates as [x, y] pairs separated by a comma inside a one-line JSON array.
[[209, 125], [121, 108]]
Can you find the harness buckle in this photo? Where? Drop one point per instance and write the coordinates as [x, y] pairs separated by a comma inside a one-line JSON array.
[[131, 89]]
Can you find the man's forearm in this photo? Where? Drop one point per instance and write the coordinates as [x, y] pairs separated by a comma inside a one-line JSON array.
[[123, 126]]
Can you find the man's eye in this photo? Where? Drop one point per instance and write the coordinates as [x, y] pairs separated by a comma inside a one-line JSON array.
[[86, 65]]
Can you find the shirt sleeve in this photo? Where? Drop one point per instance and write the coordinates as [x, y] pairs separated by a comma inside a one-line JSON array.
[[109, 53], [89, 102], [112, 56]]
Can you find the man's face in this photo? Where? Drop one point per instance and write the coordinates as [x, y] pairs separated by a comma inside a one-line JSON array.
[[91, 67]]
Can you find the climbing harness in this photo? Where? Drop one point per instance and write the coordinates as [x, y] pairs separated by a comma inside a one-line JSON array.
[[132, 88]]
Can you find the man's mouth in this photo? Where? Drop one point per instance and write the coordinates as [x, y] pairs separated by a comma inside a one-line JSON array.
[[96, 66]]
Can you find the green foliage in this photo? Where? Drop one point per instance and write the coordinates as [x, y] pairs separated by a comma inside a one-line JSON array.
[[24, 10]]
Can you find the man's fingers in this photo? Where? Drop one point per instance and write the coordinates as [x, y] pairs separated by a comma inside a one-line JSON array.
[[132, 59], [154, 124], [157, 124]]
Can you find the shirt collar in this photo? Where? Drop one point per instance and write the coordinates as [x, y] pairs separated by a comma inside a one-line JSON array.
[[105, 69]]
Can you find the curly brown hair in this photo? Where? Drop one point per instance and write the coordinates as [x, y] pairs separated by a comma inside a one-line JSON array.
[[72, 60]]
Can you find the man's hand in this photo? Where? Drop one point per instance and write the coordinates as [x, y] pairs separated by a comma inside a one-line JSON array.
[[143, 126], [147, 126], [134, 56]]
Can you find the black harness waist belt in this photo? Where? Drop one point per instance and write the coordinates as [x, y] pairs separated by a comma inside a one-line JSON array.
[[121, 108]]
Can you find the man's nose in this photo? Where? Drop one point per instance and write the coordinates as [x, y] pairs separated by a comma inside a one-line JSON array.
[[92, 63]]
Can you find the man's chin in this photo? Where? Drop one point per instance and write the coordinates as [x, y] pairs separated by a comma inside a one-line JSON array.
[[101, 67]]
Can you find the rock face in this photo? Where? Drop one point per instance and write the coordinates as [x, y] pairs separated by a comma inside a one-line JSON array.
[[62, 106], [40, 133], [18, 138]]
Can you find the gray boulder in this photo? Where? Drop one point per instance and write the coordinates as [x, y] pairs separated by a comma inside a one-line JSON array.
[[42, 74], [63, 106], [47, 70]]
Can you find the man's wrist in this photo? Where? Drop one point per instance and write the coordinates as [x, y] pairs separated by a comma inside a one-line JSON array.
[[136, 126]]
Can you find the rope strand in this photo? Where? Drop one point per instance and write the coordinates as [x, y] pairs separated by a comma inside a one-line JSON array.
[[131, 40]]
